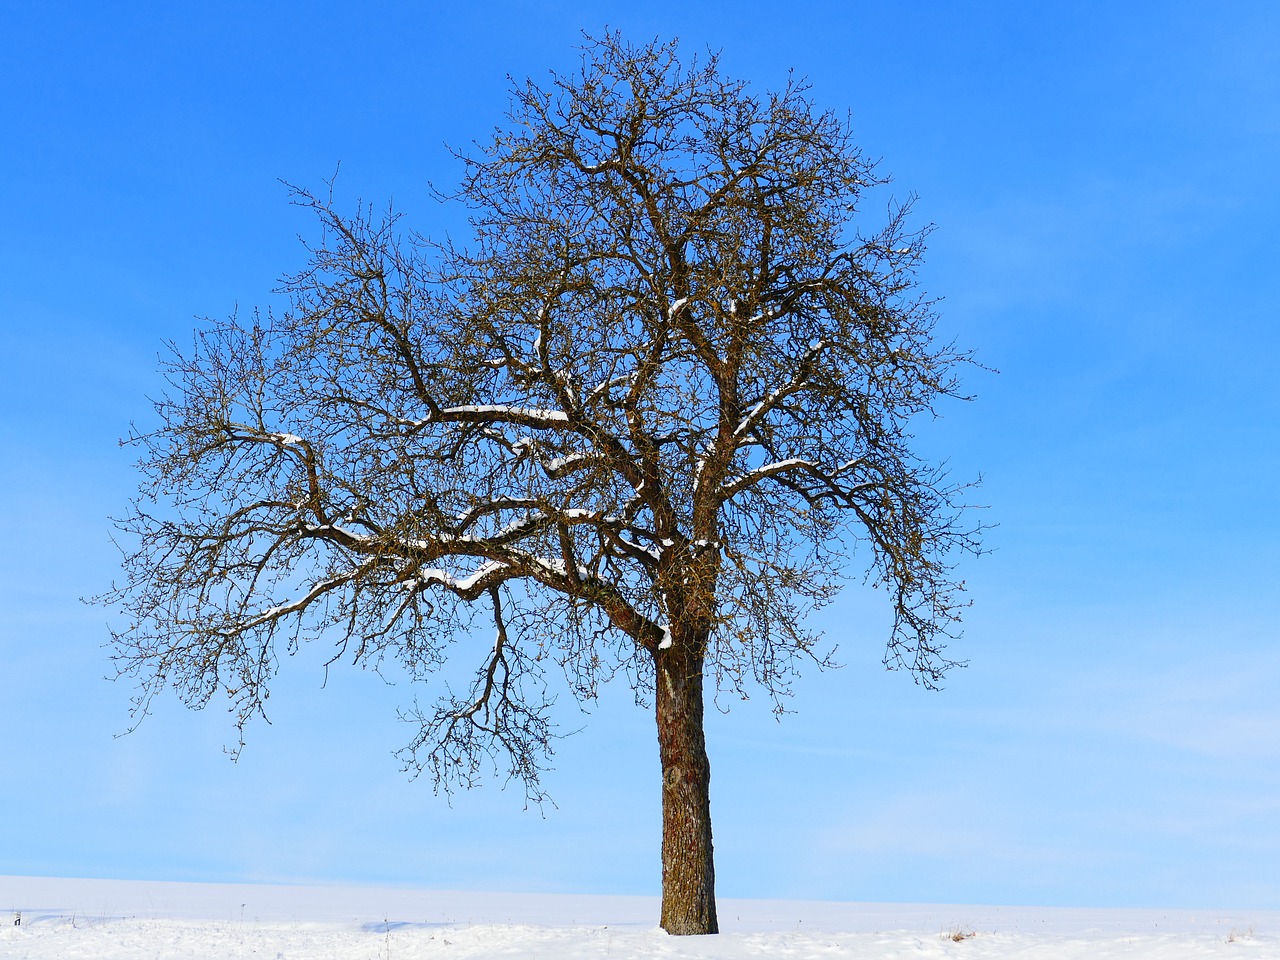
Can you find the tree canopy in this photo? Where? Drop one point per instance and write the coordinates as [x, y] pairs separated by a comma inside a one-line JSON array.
[[639, 421]]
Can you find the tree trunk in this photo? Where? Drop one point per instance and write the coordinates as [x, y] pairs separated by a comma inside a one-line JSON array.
[[688, 874]]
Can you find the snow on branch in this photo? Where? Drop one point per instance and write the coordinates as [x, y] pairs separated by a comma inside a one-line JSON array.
[[796, 464], [487, 413], [776, 396]]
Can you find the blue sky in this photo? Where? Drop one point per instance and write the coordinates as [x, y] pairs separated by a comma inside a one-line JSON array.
[[1103, 181]]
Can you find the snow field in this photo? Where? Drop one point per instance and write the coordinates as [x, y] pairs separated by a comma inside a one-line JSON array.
[[131, 920]]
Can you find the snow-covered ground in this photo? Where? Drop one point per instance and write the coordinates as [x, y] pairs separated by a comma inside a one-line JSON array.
[[109, 919]]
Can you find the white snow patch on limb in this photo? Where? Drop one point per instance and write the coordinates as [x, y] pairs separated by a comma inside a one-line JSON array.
[[846, 466], [557, 566], [666, 637], [512, 529], [608, 163], [607, 385], [288, 439], [558, 466], [815, 347], [466, 583], [313, 529], [294, 606], [518, 526], [580, 513], [638, 548], [504, 411], [676, 307], [768, 470], [750, 419], [468, 516], [780, 465], [434, 575]]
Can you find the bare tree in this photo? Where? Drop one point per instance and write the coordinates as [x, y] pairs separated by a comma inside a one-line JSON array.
[[637, 422]]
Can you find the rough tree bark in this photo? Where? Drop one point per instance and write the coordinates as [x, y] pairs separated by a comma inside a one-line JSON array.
[[688, 867]]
